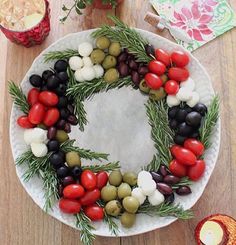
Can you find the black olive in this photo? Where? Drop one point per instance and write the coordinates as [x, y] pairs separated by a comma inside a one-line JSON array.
[[68, 180], [179, 140], [62, 172], [133, 65], [135, 78], [173, 111], [61, 65], [201, 108], [36, 80], [193, 119], [60, 124], [63, 76], [60, 190], [56, 160], [181, 115], [64, 113], [173, 124], [72, 120], [169, 198], [71, 109], [53, 145], [67, 128], [195, 135], [150, 50], [61, 89], [188, 109], [62, 103], [157, 177], [62, 154], [46, 74], [76, 171], [53, 82], [184, 129]]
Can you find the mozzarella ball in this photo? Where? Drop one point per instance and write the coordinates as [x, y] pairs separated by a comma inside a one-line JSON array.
[[28, 136], [138, 194], [143, 176], [194, 100], [39, 149], [85, 49], [88, 73], [75, 63], [148, 187], [78, 76], [189, 84], [172, 100], [184, 94], [99, 71], [156, 198], [87, 61], [35, 135]]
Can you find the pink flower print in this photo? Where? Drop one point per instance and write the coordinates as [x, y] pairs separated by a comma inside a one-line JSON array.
[[205, 5]]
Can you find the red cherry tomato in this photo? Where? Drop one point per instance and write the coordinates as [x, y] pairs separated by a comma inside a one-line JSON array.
[[196, 171], [24, 122], [94, 212], [90, 197], [171, 87], [178, 74], [156, 67], [102, 178], [183, 156], [179, 58], [194, 146], [48, 98], [162, 56], [177, 169], [51, 117], [33, 96], [36, 113], [73, 191], [88, 180], [69, 206], [153, 81]]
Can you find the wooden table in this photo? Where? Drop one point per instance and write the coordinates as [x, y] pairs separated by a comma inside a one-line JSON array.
[[22, 222]]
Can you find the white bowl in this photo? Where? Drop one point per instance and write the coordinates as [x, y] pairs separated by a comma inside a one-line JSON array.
[[115, 108]]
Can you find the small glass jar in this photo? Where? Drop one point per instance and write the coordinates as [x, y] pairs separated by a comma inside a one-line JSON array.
[[32, 36]]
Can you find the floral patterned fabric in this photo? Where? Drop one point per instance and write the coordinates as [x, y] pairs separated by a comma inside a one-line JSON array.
[[201, 20]]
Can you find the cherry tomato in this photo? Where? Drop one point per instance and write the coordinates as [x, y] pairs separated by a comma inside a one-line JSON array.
[[36, 113], [33, 96], [183, 156], [171, 87], [73, 191], [178, 74], [69, 206], [24, 122], [48, 98], [162, 56], [51, 117], [196, 171], [153, 81], [102, 178], [177, 169], [179, 58], [88, 180], [156, 67], [194, 146], [90, 197], [94, 212]]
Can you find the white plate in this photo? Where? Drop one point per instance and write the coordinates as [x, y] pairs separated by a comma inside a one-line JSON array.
[[118, 126]]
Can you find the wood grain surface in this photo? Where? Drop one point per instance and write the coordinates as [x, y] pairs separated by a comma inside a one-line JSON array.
[[23, 223]]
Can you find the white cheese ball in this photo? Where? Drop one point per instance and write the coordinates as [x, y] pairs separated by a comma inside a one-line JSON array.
[[172, 100], [184, 94], [156, 198], [75, 63], [99, 71], [143, 176], [189, 84], [28, 136], [148, 187], [138, 194], [194, 100], [39, 149], [88, 73], [87, 61], [35, 135], [78, 76], [85, 49]]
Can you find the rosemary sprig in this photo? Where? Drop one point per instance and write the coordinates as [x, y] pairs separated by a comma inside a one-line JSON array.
[[161, 133], [113, 227], [183, 182], [210, 122], [166, 209], [126, 36], [83, 223], [71, 76], [80, 113], [57, 55], [154, 165], [105, 167], [18, 97]]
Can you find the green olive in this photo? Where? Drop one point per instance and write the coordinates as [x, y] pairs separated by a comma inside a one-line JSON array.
[[143, 87], [61, 136], [124, 190], [103, 42], [127, 219], [115, 178], [115, 49], [130, 204], [111, 75], [73, 159], [97, 56], [164, 78], [130, 178], [113, 208], [109, 193], [109, 62], [42, 126], [157, 94]]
